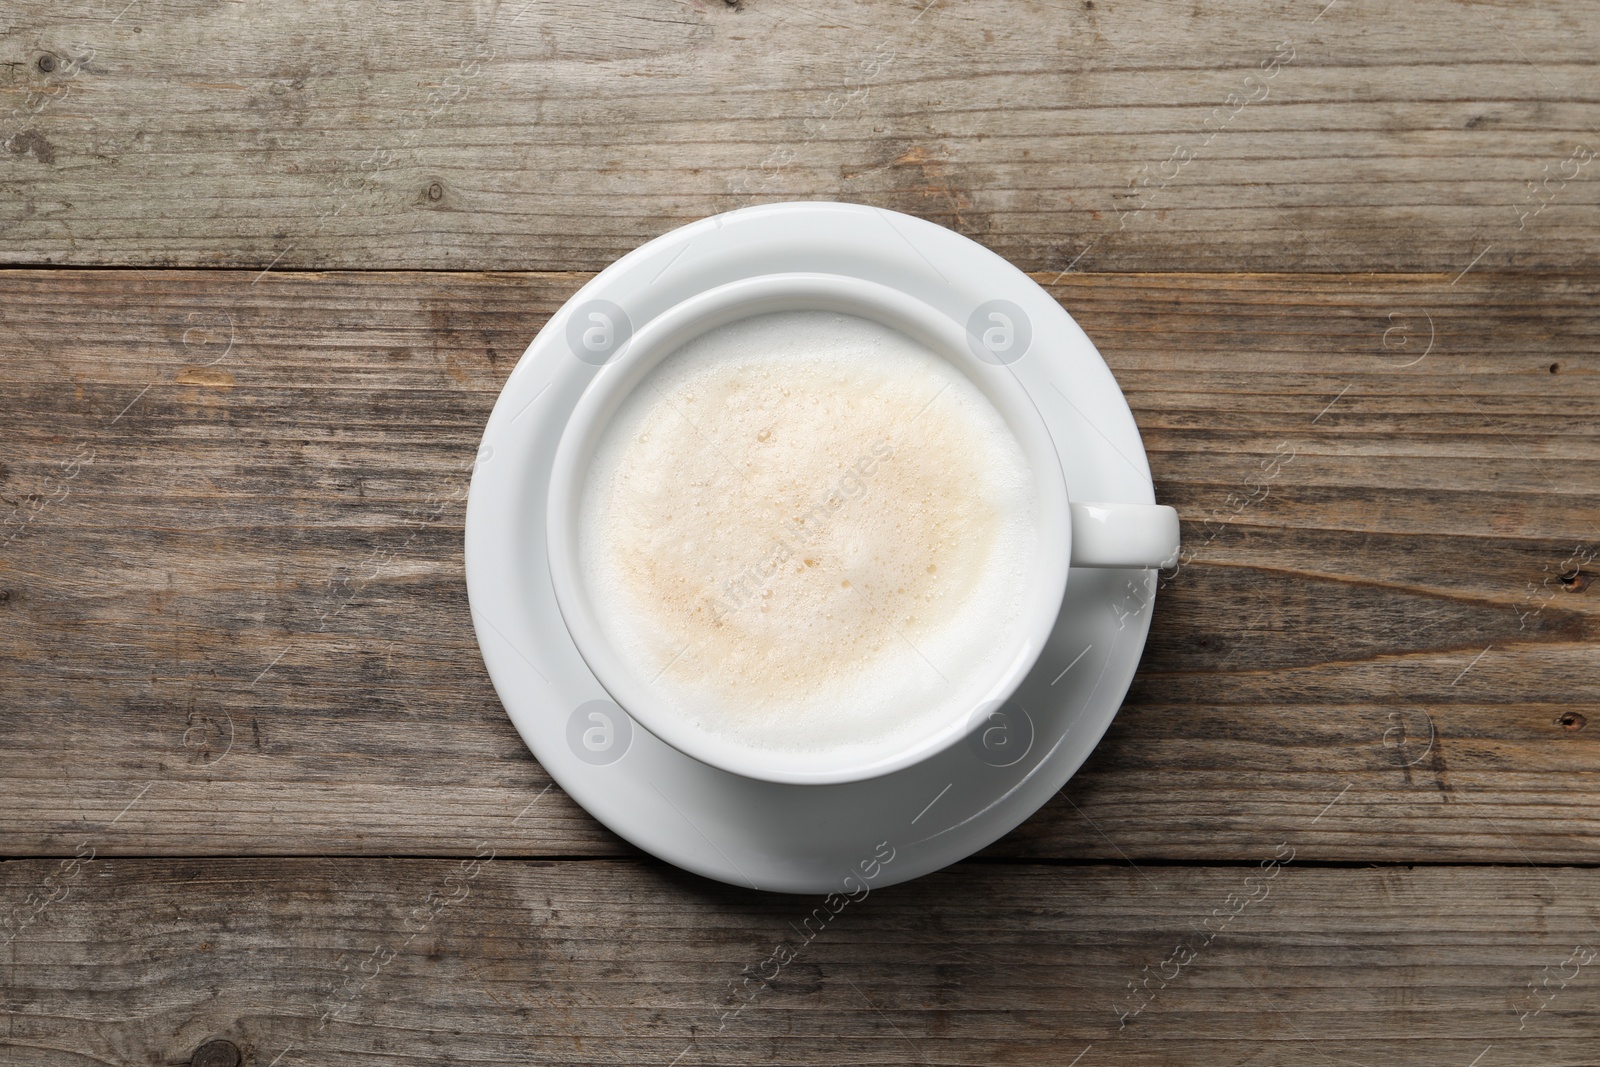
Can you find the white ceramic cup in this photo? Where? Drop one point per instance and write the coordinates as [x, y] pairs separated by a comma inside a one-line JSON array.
[[1072, 533]]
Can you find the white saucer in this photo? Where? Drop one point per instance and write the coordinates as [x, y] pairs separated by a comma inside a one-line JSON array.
[[788, 838]]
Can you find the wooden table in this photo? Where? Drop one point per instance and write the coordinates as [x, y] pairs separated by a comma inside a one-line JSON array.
[[268, 266]]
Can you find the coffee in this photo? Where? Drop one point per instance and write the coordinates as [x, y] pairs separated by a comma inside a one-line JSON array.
[[806, 530]]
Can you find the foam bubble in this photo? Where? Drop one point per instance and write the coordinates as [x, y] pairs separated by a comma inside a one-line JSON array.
[[806, 530]]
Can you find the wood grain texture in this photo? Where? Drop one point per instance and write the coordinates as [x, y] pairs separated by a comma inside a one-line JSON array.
[[557, 135], [253, 777], [232, 596], [411, 962]]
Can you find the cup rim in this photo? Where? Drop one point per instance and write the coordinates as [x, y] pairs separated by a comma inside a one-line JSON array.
[[763, 294]]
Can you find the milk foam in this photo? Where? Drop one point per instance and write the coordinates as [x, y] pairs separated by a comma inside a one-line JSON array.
[[806, 530]]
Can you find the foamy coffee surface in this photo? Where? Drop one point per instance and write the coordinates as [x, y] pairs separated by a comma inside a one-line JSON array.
[[806, 530]]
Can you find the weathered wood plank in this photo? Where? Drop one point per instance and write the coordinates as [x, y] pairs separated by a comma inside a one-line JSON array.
[[421, 962], [244, 607], [558, 134]]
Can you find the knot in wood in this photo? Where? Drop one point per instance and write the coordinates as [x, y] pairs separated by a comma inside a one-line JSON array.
[[215, 1054]]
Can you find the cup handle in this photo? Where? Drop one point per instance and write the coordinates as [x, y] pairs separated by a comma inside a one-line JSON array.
[[1124, 535]]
